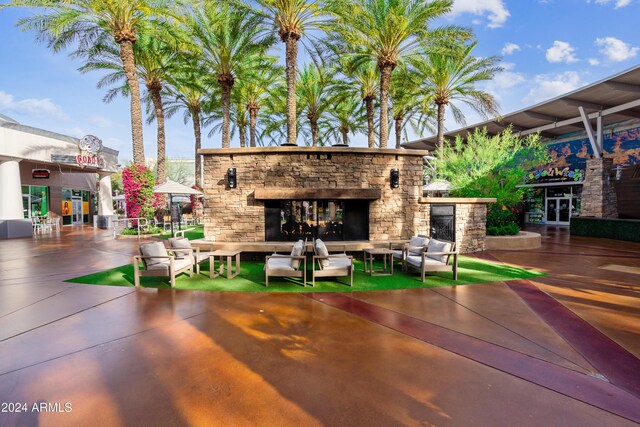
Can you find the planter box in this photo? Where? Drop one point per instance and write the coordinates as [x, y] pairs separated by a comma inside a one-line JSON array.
[[521, 241], [608, 228]]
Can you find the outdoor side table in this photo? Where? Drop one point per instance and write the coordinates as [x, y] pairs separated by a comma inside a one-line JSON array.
[[369, 255], [224, 254]]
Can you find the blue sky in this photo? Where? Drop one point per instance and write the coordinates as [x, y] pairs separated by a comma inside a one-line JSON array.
[[548, 47]]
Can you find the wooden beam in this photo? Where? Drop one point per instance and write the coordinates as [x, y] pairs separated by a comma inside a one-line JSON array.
[[278, 193], [623, 87]]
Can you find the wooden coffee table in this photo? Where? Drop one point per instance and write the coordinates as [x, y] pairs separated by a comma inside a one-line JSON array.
[[371, 253], [222, 254]]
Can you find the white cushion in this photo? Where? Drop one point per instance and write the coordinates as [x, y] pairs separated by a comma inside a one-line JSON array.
[[417, 241], [438, 246], [163, 267], [151, 250], [416, 261], [321, 250], [180, 243], [201, 256], [338, 263], [279, 264], [296, 251], [398, 254]]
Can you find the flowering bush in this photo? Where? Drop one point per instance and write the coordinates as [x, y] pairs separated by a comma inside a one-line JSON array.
[[138, 182], [196, 204]]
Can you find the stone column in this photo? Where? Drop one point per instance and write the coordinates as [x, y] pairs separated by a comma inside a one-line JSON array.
[[598, 193], [12, 222]]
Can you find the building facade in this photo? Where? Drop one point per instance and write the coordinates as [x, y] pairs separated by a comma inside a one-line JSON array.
[[45, 174]]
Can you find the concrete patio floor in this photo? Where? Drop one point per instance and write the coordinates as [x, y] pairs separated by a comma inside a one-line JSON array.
[[561, 350]]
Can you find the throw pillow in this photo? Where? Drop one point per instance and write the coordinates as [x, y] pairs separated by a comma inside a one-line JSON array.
[[151, 250], [321, 250], [438, 246], [417, 241], [296, 251], [180, 243]]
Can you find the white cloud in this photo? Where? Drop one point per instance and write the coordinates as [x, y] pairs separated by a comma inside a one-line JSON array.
[[594, 61], [618, 3], [505, 80], [41, 108], [509, 49], [101, 122], [549, 86], [616, 50], [495, 9], [561, 52]]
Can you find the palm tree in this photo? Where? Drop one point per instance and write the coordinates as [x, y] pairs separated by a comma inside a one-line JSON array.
[[92, 22], [451, 74], [187, 94], [314, 92], [405, 102], [291, 18], [347, 116], [362, 81], [229, 41], [254, 88], [155, 62], [388, 31]]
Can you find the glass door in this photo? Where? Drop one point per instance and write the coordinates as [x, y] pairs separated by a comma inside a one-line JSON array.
[[564, 210], [77, 211], [552, 211]]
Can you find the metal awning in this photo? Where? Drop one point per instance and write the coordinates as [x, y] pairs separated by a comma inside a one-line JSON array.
[[612, 100]]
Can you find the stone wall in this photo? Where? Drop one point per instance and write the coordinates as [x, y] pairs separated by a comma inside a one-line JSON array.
[[471, 220], [598, 192], [234, 214]]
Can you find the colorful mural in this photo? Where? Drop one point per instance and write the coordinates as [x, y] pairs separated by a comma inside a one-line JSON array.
[[569, 159]]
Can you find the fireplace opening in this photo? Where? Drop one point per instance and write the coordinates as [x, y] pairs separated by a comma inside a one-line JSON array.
[[331, 220]]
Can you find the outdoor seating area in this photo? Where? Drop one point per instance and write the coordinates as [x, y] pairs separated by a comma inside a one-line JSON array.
[[45, 224], [313, 260]]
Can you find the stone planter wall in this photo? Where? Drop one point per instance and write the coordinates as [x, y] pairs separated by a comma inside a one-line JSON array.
[[471, 220], [234, 214]]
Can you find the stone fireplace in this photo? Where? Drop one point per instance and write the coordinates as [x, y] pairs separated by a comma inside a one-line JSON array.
[[332, 193]]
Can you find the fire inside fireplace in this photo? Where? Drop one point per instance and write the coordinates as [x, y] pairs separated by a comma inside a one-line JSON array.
[[289, 220]]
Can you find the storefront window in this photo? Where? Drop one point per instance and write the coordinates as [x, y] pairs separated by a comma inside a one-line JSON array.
[[35, 201], [534, 206]]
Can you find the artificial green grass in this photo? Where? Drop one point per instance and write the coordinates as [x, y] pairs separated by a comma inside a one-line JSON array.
[[251, 278]]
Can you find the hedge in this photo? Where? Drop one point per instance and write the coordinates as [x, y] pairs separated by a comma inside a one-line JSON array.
[[609, 228]]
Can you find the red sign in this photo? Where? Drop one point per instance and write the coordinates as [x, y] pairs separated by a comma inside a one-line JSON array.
[[89, 160], [40, 173]]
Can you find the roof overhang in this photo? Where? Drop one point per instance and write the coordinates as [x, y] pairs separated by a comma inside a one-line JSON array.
[[612, 100]]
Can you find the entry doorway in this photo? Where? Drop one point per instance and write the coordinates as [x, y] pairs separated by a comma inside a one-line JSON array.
[[76, 212], [558, 210]]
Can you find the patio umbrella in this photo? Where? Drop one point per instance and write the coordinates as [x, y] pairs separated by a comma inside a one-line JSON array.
[[174, 188]]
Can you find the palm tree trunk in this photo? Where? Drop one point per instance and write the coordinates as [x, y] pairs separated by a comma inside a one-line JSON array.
[[226, 114], [195, 117], [440, 127], [398, 124], [385, 81], [129, 67], [159, 110], [345, 136], [291, 44], [314, 133], [253, 119], [370, 122], [241, 136]]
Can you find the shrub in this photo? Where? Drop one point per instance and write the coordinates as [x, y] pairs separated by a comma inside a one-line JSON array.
[[502, 222], [503, 230], [138, 182]]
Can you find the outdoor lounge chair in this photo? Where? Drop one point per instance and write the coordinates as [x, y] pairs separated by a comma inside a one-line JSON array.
[[435, 258], [334, 265], [180, 246], [158, 262], [415, 246], [287, 265]]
